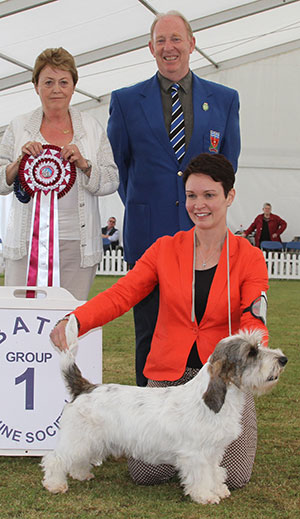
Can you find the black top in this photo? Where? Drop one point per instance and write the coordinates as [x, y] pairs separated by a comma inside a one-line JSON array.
[[203, 281], [265, 233]]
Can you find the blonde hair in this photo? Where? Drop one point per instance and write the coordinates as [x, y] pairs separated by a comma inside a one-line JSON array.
[[171, 13], [55, 58]]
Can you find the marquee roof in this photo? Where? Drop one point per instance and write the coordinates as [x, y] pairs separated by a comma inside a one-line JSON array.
[[109, 40]]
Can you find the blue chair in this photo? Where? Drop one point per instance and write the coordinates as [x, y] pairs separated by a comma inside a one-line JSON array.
[[293, 246], [272, 246]]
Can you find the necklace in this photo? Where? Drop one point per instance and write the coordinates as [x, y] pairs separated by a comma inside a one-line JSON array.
[[65, 131], [204, 262], [217, 250]]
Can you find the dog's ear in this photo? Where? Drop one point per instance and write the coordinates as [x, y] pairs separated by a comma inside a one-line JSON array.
[[214, 396]]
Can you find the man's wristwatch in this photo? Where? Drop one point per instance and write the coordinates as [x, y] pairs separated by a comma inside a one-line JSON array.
[[88, 168]]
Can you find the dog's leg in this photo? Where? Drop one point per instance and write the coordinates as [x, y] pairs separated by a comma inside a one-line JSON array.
[[220, 488], [197, 476], [55, 477], [81, 470], [59, 463], [74, 453]]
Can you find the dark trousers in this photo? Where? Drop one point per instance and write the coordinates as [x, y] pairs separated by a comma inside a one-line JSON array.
[[145, 317]]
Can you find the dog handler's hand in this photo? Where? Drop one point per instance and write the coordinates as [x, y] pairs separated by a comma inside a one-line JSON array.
[[58, 335]]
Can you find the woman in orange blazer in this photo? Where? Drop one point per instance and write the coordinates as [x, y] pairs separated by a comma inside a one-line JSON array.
[[211, 284]]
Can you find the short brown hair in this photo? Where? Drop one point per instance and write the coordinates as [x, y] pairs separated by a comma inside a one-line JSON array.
[[56, 58], [215, 166], [172, 13]]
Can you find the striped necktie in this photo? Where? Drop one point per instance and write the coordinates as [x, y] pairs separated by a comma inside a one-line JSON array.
[[177, 136]]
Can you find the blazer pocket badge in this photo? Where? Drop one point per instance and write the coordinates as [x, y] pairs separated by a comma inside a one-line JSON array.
[[214, 141]]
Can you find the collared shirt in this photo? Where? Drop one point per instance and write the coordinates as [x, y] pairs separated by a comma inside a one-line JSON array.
[[186, 99]]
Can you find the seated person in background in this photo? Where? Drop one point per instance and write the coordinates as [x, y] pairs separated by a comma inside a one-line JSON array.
[[267, 226], [110, 235]]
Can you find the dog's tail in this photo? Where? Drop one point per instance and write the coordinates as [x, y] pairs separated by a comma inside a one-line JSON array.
[[72, 376]]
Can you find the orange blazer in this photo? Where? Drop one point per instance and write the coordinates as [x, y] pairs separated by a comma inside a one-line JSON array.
[[169, 263]]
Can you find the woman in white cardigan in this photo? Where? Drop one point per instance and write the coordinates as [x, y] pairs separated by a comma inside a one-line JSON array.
[[83, 143]]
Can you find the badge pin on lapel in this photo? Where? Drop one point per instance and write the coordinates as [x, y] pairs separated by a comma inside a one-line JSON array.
[[214, 141], [205, 107]]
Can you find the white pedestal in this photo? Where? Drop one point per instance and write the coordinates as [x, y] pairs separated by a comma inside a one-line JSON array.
[[31, 387]]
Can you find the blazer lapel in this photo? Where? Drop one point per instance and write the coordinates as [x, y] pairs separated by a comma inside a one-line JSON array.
[[219, 283], [185, 254], [150, 99]]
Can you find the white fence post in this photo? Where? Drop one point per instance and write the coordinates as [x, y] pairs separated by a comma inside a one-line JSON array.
[[112, 264]]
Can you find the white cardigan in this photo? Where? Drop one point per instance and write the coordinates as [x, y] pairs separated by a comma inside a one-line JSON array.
[[94, 145]]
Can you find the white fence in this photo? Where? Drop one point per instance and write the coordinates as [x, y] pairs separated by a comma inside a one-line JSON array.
[[112, 264], [281, 265]]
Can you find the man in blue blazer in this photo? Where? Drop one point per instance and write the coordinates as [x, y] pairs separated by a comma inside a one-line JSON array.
[[151, 186]]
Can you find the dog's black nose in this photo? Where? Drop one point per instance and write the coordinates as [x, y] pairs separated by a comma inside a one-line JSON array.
[[282, 361]]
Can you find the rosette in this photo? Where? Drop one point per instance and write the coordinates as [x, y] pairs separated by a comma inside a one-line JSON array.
[[47, 172], [44, 178], [21, 195]]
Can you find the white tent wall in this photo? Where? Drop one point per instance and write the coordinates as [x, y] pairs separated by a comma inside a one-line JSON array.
[[269, 165]]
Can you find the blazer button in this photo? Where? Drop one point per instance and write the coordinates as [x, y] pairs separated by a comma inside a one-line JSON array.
[[180, 173], [177, 203]]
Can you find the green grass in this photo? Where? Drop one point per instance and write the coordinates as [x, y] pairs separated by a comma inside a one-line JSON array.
[[273, 492]]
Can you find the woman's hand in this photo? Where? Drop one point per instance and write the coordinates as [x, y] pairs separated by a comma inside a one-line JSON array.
[[71, 153], [32, 148], [58, 335]]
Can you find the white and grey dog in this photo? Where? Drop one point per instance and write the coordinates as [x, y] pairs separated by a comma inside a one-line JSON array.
[[187, 426]]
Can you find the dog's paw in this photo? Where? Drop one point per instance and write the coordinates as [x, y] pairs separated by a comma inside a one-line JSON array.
[[212, 499], [205, 498], [80, 476], [55, 488], [223, 491]]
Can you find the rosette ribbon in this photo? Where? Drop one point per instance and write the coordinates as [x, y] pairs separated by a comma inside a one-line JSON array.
[[45, 178]]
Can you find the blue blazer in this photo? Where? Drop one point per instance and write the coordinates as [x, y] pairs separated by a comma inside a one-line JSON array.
[[151, 185]]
